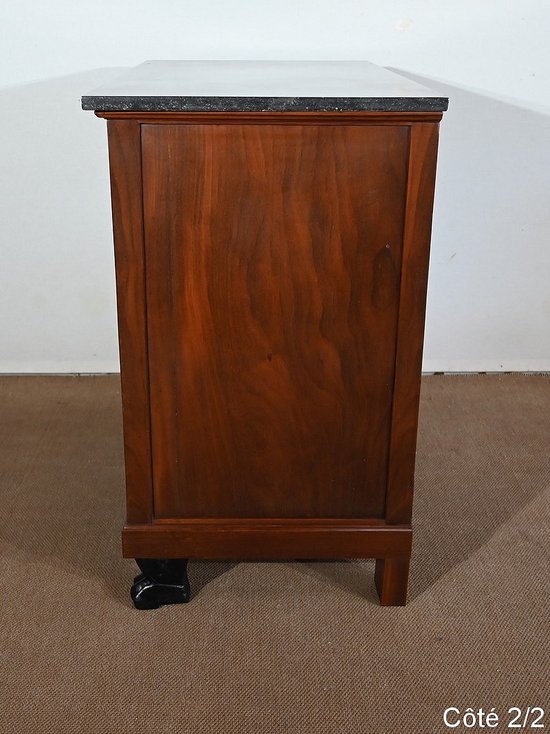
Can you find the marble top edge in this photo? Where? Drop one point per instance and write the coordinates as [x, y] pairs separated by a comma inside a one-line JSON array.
[[247, 86], [263, 104]]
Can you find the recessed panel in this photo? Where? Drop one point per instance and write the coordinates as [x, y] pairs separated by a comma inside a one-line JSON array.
[[273, 258]]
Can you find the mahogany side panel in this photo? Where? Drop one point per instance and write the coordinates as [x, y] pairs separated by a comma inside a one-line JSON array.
[[410, 327], [126, 198], [273, 267]]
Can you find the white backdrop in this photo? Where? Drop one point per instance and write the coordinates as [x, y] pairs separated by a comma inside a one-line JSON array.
[[489, 296]]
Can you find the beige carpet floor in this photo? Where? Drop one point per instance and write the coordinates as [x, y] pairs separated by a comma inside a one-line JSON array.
[[273, 647]]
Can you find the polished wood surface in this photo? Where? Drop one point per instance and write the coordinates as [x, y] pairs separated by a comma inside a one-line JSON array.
[[273, 267], [278, 118], [126, 201], [410, 330], [267, 539], [271, 282]]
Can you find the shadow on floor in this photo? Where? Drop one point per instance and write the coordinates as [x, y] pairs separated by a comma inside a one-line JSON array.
[[62, 476]]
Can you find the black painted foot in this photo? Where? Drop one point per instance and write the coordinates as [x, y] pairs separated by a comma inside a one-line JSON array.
[[162, 581]]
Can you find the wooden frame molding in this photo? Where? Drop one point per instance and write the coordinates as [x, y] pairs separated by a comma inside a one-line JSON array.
[[410, 323], [267, 539], [274, 118], [127, 207]]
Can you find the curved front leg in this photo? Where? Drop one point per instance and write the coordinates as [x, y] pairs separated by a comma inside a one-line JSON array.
[[162, 581]]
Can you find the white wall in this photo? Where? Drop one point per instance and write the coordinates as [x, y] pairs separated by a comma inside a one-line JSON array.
[[489, 298]]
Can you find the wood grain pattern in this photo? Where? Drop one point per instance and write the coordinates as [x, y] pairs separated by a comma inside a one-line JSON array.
[[267, 539], [410, 330], [125, 167], [273, 267], [271, 285]]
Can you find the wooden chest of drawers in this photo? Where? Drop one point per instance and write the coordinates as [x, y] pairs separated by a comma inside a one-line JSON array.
[[271, 261]]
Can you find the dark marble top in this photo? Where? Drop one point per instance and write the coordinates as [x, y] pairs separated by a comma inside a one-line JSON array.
[[262, 86]]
